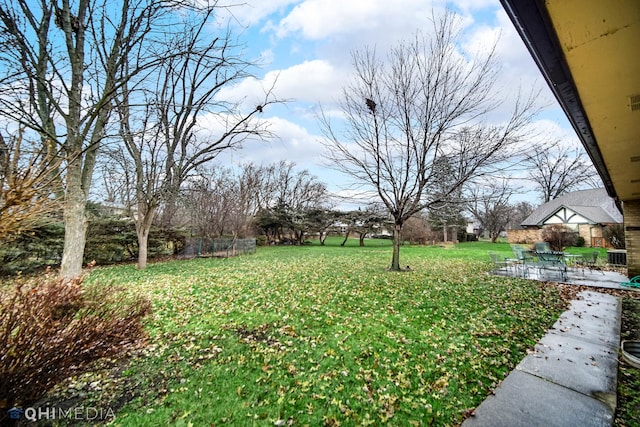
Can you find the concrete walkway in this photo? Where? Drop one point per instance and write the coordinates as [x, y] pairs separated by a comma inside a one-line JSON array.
[[570, 378], [599, 279]]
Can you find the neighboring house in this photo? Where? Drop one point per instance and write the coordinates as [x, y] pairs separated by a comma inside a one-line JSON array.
[[474, 227], [586, 211]]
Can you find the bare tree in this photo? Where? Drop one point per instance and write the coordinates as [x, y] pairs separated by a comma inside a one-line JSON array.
[[216, 205], [490, 206], [287, 197], [556, 169], [298, 189], [521, 211], [118, 178], [165, 135], [417, 230], [257, 187], [61, 63], [424, 102]]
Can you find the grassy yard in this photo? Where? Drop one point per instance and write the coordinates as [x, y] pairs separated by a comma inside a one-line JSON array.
[[321, 336]]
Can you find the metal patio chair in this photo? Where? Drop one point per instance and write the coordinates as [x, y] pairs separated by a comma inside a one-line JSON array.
[[589, 261], [552, 262], [499, 263], [521, 258], [542, 247]]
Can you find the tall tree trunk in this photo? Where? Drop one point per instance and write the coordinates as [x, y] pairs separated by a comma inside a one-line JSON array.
[[397, 240], [362, 235], [75, 223], [143, 247], [143, 226]]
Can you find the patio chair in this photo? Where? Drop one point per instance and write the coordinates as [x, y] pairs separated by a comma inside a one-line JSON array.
[[521, 253], [499, 263], [552, 262], [634, 282], [589, 261], [521, 256]]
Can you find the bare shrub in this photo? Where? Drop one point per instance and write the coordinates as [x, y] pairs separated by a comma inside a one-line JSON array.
[[51, 328], [559, 236]]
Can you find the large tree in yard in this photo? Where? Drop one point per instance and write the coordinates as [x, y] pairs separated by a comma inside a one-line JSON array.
[[424, 102]]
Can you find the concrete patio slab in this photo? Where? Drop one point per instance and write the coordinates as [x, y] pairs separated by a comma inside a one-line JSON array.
[[601, 311], [596, 278], [524, 400], [575, 364]]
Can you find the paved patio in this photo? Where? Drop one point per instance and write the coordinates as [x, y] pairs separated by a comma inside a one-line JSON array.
[[575, 276]]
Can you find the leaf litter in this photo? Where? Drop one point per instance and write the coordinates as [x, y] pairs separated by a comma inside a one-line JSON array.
[[294, 337]]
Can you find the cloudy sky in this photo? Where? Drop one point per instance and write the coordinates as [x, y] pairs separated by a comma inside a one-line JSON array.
[[306, 45]]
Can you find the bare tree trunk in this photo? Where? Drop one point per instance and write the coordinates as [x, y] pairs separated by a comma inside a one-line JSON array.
[[143, 247], [397, 241], [362, 235], [346, 237], [75, 226], [143, 226]]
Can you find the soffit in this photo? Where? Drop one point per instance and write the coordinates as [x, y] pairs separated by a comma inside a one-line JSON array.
[[600, 42]]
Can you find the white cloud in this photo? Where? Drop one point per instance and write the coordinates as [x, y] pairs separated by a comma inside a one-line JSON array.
[[552, 130], [370, 21], [481, 39], [248, 14], [319, 19], [293, 142], [309, 82]]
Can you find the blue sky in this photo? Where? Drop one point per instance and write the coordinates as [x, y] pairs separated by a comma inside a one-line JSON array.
[[307, 44]]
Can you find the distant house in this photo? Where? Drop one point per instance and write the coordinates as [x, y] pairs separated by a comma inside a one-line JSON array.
[[586, 211]]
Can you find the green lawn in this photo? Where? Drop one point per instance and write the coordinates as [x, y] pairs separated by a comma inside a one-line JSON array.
[[324, 335]]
